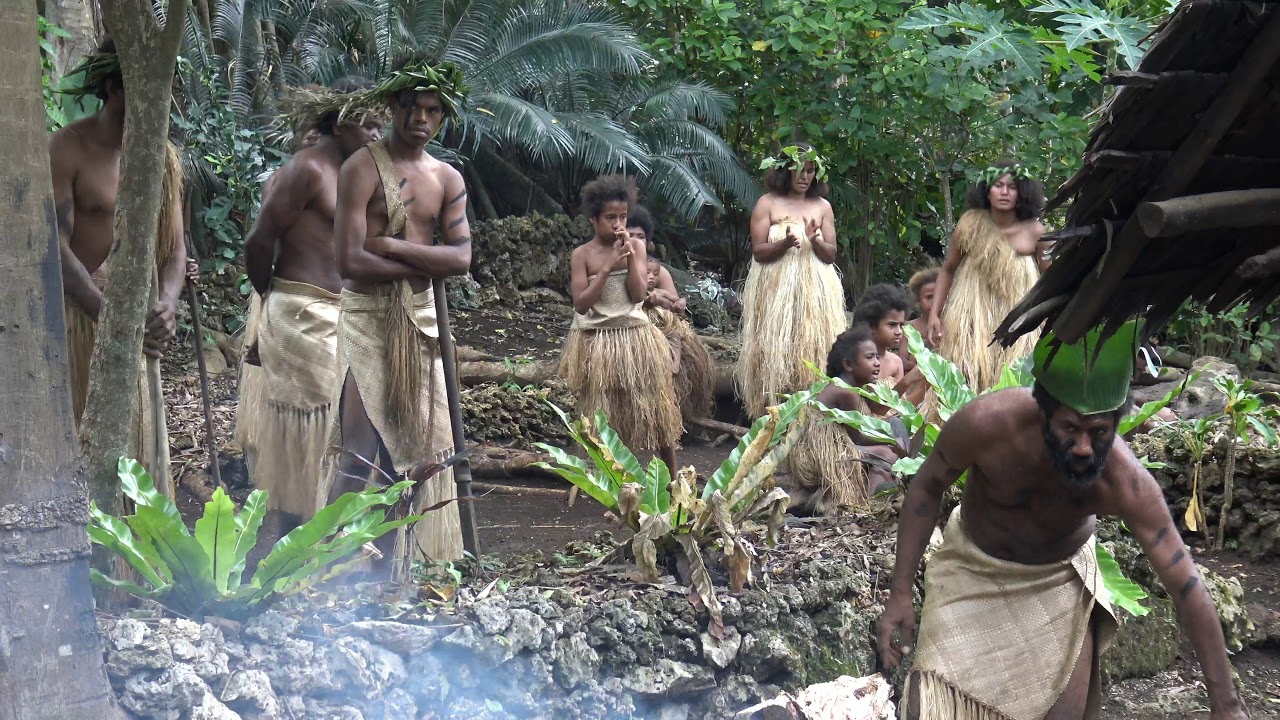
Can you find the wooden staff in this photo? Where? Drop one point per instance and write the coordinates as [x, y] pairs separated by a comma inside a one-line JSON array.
[[197, 341], [461, 466], [159, 439]]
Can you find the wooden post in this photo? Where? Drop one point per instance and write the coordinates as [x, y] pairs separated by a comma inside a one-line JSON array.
[[1211, 211]]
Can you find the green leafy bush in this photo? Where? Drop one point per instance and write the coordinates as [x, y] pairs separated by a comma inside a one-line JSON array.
[[202, 573], [1250, 344], [672, 515]]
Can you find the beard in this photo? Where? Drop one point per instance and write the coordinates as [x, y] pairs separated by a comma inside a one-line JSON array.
[[1060, 458]]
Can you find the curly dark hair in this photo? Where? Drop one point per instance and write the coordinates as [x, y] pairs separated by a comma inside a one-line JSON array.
[[638, 216], [871, 312], [889, 295], [1030, 195], [844, 347], [607, 189], [778, 180]]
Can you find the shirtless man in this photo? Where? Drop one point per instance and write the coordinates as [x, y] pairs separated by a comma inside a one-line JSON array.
[[84, 158], [285, 401], [1012, 617], [392, 195]]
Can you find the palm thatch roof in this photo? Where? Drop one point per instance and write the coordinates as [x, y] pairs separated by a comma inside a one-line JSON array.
[[1179, 194]]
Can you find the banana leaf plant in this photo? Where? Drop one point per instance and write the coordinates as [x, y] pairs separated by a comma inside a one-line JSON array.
[[672, 517], [1245, 417], [202, 573]]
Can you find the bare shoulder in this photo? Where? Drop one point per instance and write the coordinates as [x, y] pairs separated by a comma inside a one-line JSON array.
[[825, 206], [1127, 483], [360, 162], [69, 139], [447, 174], [764, 204], [998, 412]]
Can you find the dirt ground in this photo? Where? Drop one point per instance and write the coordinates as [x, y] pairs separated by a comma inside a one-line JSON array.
[[511, 523]]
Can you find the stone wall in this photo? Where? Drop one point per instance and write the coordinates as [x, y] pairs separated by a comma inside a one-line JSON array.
[[1254, 521], [565, 647]]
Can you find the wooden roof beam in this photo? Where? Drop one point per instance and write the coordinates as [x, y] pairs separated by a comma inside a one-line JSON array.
[[1261, 266], [1133, 78], [1096, 288], [1211, 211]]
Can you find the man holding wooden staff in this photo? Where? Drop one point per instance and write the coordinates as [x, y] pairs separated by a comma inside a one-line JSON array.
[[392, 411]]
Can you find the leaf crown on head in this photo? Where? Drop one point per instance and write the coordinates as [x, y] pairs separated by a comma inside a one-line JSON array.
[[794, 158], [96, 67], [303, 107], [443, 78], [995, 172]]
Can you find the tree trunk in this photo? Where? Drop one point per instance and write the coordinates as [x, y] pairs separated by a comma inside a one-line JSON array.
[[519, 192], [147, 58], [50, 653], [77, 18]]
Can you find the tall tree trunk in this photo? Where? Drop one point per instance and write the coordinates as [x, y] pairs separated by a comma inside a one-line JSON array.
[[77, 18], [50, 653], [147, 58]]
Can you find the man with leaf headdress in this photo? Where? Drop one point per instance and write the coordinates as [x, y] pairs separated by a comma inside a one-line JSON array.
[[287, 383], [793, 302], [84, 158], [1017, 599], [392, 199]]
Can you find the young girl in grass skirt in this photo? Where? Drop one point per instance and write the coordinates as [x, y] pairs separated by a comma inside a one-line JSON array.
[[614, 359]]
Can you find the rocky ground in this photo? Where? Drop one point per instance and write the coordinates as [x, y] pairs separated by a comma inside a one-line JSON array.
[[539, 541]]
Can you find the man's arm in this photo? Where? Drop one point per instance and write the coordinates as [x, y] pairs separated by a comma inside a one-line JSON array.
[[162, 321], [952, 454], [454, 256], [1143, 509], [287, 195], [76, 281], [357, 182]]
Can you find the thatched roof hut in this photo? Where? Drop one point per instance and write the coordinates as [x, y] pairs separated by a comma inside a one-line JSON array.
[[1179, 194]]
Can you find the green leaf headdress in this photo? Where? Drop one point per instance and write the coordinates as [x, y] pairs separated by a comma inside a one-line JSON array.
[[93, 70], [794, 157], [444, 79], [1092, 375], [302, 108], [995, 172]]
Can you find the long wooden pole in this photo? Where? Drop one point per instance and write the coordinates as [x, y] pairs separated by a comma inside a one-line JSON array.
[[155, 396], [462, 466], [197, 342]]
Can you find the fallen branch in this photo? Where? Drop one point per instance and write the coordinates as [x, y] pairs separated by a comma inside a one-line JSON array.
[[720, 427], [479, 372], [484, 488], [503, 463]]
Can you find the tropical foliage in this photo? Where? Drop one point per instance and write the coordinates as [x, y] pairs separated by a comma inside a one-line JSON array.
[[195, 574], [671, 517], [907, 100]]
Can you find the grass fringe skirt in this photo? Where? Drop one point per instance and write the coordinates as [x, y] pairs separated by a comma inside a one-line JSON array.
[[626, 372]]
